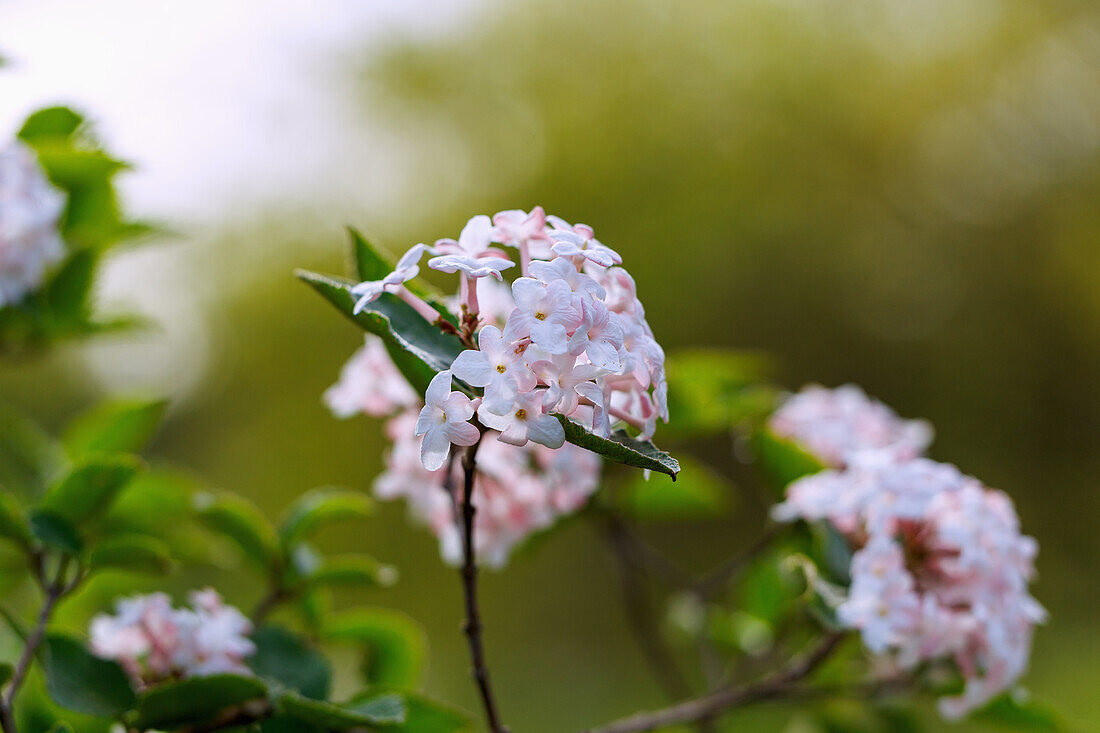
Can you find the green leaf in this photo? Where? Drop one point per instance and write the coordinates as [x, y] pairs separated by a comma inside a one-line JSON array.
[[115, 426], [241, 521], [621, 448], [1017, 710], [71, 167], [319, 507], [133, 553], [429, 350], [61, 727], [711, 391], [13, 524], [79, 681], [90, 488], [50, 123], [352, 570], [290, 660], [370, 264], [783, 461], [195, 700], [68, 292], [383, 710], [698, 493], [56, 532], [395, 645], [28, 456], [427, 716], [7, 669]]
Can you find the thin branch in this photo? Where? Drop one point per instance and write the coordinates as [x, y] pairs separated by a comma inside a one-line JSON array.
[[472, 627], [780, 684], [53, 591], [713, 582], [639, 614]]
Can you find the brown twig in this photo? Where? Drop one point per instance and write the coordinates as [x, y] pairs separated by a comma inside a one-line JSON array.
[[53, 591], [472, 627], [707, 707]]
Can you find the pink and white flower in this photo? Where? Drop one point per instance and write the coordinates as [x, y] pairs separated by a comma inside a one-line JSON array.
[[444, 420], [545, 312], [407, 268], [369, 384], [155, 642], [30, 209], [497, 367], [524, 420]]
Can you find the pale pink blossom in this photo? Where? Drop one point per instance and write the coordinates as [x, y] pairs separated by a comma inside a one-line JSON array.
[[406, 269], [576, 245], [562, 269], [525, 231], [471, 266], [563, 377], [154, 642], [444, 420], [475, 241], [497, 367], [598, 337], [835, 424], [369, 384], [545, 312], [524, 420], [30, 209]]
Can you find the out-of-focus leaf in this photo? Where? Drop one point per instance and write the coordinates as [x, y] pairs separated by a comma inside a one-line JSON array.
[[71, 167], [425, 716], [430, 350], [69, 290], [352, 570], [320, 507], [711, 391], [698, 493], [115, 426], [1016, 710], [56, 123], [768, 589], [290, 660], [29, 458], [832, 552], [131, 553], [56, 532], [241, 521], [79, 681], [783, 461], [395, 645], [13, 524], [621, 448], [7, 669], [194, 700], [383, 710], [89, 489]]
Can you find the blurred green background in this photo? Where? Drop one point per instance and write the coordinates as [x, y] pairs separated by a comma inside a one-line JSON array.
[[896, 193]]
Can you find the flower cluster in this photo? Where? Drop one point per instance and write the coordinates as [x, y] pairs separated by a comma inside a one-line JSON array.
[[573, 342], [30, 208], [940, 569], [517, 490], [836, 423], [155, 642]]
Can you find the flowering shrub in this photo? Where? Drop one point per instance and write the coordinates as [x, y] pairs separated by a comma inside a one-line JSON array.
[[511, 402], [940, 569]]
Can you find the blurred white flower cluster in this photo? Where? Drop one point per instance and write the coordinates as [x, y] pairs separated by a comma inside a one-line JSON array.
[[517, 490], [30, 208], [940, 569], [155, 642]]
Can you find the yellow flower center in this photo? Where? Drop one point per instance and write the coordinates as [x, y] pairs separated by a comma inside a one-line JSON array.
[[540, 315], [501, 368], [521, 414]]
